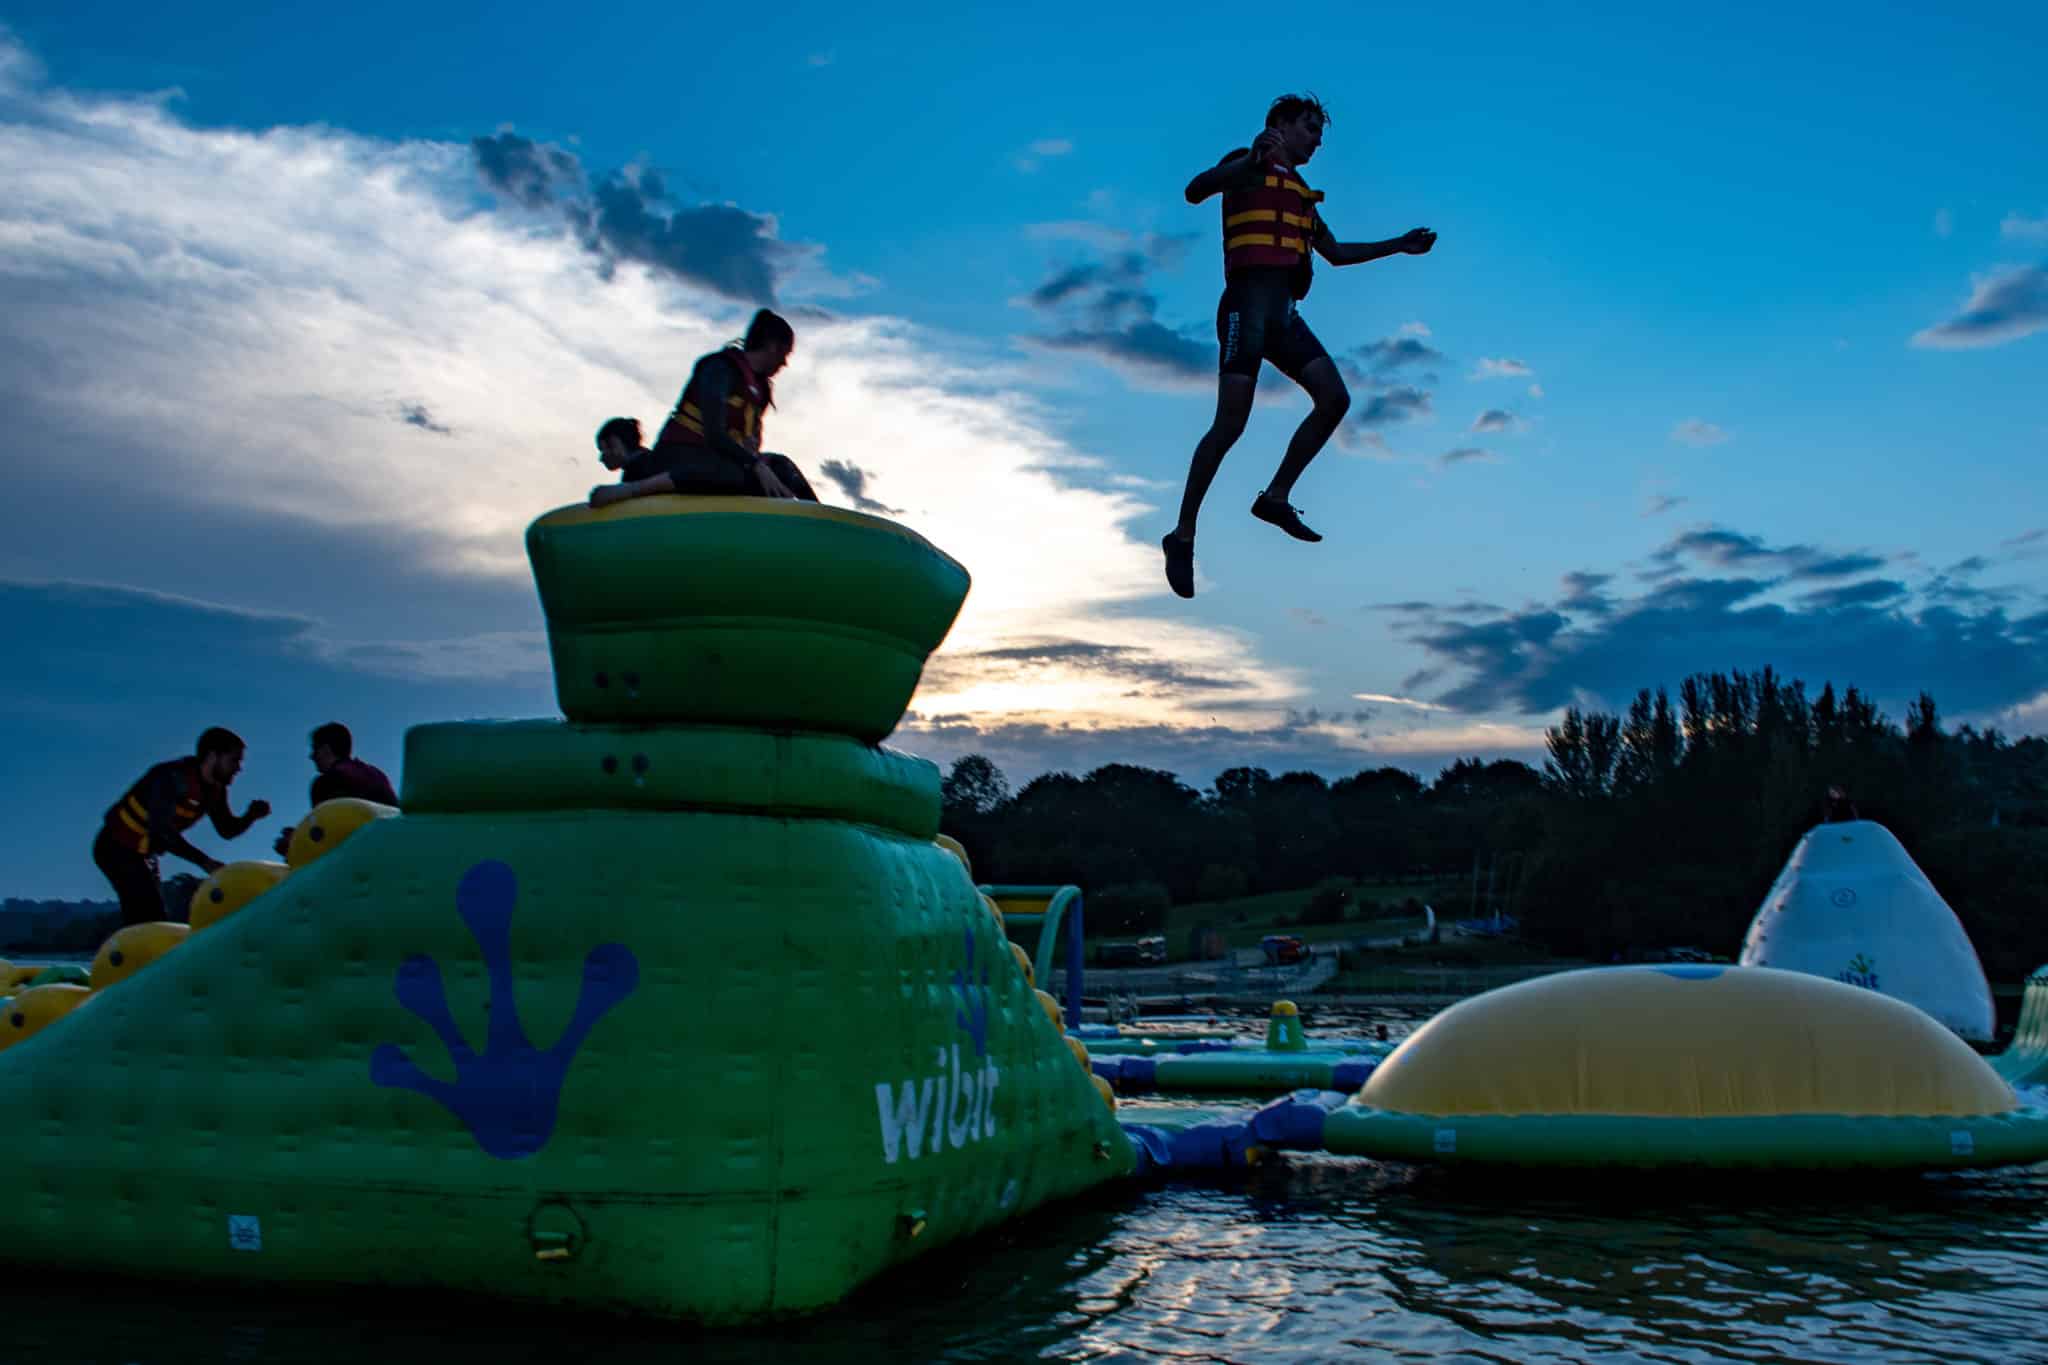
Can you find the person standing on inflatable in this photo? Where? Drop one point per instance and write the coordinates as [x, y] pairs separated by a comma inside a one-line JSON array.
[[1271, 221], [698, 453], [152, 816]]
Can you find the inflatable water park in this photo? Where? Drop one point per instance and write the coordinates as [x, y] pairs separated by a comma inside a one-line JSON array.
[[682, 1005]]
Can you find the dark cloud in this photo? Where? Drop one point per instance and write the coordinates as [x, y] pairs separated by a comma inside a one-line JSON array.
[[416, 415], [624, 216], [1494, 419], [1464, 454], [2025, 538], [1869, 593], [853, 481], [1587, 644], [2002, 308], [1393, 353], [1733, 550], [1403, 404], [524, 171], [1112, 313], [1662, 503]]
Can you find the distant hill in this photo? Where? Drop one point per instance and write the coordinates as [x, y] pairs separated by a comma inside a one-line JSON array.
[[31, 926]]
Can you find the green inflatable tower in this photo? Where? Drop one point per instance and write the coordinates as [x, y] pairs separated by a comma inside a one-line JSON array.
[[675, 1006]]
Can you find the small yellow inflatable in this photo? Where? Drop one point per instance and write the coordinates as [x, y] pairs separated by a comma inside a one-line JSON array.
[[328, 825], [1052, 1010], [995, 910], [952, 846], [1102, 1089], [127, 951], [36, 1008], [1024, 962], [1080, 1051], [232, 887], [18, 974]]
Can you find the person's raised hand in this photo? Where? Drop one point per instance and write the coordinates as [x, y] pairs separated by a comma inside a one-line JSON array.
[[1268, 144], [258, 808], [604, 495], [1417, 241]]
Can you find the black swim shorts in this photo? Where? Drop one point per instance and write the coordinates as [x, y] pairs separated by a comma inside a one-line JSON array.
[[1256, 319]]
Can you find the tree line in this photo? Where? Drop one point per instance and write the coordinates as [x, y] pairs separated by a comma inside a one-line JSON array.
[[1660, 826]]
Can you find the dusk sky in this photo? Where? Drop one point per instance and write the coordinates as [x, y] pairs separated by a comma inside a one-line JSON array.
[[1730, 353]]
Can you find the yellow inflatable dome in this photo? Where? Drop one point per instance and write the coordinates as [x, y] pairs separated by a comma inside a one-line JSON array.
[[1685, 1041], [328, 824], [36, 1008], [127, 951], [232, 887], [1685, 1066]]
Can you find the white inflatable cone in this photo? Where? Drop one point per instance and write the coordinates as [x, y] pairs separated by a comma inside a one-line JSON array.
[[1852, 905]]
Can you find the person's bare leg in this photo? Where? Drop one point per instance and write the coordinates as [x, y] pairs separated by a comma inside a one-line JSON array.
[[1234, 393], [1332, 400]]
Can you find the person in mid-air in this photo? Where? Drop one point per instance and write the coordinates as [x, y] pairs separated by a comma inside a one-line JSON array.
[[1271, 221], [152, 816], [697, 452]]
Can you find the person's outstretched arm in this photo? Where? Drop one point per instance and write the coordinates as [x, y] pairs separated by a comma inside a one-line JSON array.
[[164, 834], [1414, 242], [232, 826]]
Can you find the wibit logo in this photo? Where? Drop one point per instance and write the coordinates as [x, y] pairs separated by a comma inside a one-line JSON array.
[[950, 1108], [507, 1096], [1862, 972]]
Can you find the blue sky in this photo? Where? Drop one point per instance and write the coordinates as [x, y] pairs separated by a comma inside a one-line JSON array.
[[1730, 354]]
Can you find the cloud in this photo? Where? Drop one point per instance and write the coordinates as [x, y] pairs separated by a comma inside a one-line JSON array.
[[1112, 312], [1535, 390], [168, 288], [1465, 454], [1588, 645], [2002, 307], [1660, 503], [1693, 432], [1394, 353], [622, 216], [1387, 700], [1396, 405], [852, 481], [1722, 548], [1496, 419], [2019, 228], [1307, 617], [416, 415], [1491, 367], [1944, 222], [1414, 329], [1041, 150], [2026, 537]]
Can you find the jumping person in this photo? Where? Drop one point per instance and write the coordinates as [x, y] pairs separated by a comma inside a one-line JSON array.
[[699, 453], [152, 816], [1271, 220]]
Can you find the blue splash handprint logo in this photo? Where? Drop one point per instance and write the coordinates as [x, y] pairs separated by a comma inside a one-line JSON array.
[[971, 1014], [506, 1097]]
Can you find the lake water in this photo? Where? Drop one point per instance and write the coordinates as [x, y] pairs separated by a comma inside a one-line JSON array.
[[1314, 1258]]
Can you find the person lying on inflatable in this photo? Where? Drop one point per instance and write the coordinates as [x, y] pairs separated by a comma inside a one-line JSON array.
[[696, 453]]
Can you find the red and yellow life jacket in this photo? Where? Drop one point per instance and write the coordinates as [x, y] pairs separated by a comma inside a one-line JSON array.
[[743, 408], [1273, 222], [128, 818]]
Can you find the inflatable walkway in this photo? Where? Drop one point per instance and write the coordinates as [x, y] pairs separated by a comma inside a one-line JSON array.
[[674, 1007]]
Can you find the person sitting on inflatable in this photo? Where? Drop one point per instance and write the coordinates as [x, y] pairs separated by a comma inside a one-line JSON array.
[[153, 814], [619, 448], [697, 453], [338, 772]]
